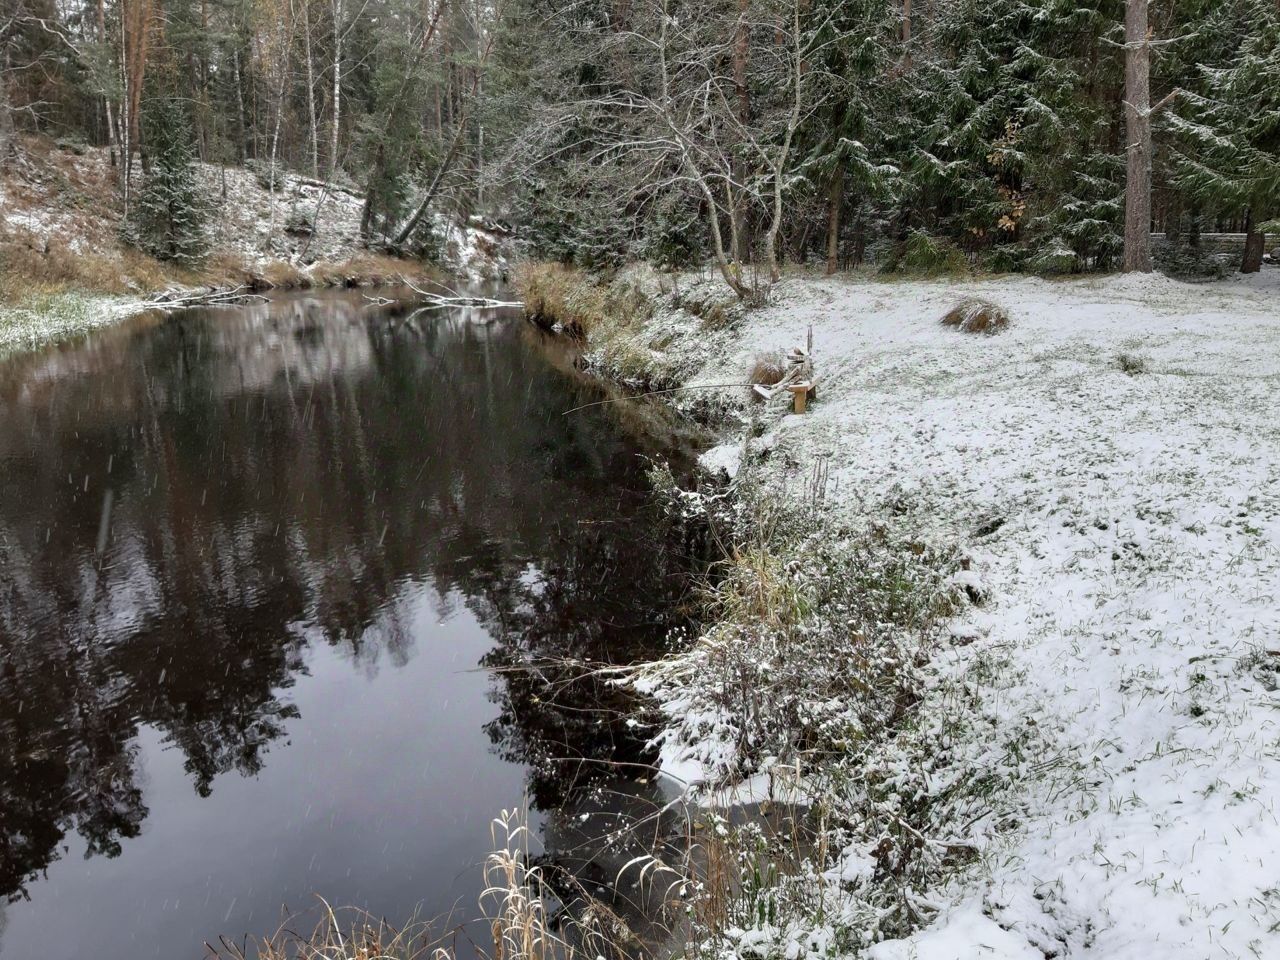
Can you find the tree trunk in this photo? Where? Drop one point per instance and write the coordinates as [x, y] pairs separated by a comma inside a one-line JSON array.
[[113, 133], [312, 117], [1255, 242], [1137, 94], [906, 33], [835, 200], [243, 139], [740, 243], [421, 211], [337, 86]]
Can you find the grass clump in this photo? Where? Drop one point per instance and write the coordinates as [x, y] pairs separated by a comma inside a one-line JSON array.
[[1133, 364], [976, 316], [815, 633], [520, 911], [768, 368]]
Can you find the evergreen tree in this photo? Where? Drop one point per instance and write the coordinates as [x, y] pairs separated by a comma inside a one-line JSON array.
[[1232, 131], [169, 215]]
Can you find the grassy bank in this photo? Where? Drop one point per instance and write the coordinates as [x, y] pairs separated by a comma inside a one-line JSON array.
[[51, 295], [639, 329], [994, 611], [815, 684]]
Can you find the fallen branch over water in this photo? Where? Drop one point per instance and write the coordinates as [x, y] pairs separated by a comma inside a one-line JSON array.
[[485, 303], [174, 300]]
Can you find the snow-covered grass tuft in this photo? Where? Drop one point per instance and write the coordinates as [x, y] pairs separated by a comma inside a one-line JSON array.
[[834, 669], [976, 316]]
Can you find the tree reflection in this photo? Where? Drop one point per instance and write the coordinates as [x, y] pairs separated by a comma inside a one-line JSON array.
[[280, 473]]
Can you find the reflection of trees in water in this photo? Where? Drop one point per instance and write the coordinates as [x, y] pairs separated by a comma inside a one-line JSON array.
[[609, 596], [279, 474]]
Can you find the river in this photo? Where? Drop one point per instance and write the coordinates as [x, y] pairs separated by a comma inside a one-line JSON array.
[[259, 570]]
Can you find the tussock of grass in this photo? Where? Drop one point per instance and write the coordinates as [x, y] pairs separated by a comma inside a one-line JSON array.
[[976, 316], [1132, 363], [768, 369]]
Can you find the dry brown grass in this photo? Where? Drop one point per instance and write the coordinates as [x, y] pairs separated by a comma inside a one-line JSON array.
[[347, 934], [976, 316], [519, 908], [768, 368], [25, 269], [554, 293], [582, 305]]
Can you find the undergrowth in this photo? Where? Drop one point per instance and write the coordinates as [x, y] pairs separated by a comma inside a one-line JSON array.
[[820, 669]]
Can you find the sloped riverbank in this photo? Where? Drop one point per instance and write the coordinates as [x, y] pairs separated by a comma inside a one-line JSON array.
[[1001, 610]]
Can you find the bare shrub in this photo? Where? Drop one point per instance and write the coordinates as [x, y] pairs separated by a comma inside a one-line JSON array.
[[976, 316]]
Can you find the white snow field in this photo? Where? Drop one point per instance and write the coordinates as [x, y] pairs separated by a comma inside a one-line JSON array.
[[1111, 463]]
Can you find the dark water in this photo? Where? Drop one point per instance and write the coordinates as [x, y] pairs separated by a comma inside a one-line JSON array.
[[255, 567]]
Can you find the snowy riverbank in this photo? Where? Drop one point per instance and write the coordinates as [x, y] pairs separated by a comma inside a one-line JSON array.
[[1099, 723], [64, 269]]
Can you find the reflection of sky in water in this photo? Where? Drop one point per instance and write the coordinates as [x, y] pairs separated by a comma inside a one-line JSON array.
[[266, 685]]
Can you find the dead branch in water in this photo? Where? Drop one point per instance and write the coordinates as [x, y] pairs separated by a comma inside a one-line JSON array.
[[435, 300], [171, 300]]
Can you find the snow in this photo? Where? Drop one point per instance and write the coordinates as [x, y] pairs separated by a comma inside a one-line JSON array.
[[75, 203], [725, 458], [965, 934], [1124, 536]]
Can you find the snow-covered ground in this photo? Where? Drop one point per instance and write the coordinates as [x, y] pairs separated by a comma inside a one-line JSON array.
[[243, 221], [1111, 464], [68, 199]]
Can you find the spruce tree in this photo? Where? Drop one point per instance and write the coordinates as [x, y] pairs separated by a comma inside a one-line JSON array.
[[169, 216], [1231, 129]]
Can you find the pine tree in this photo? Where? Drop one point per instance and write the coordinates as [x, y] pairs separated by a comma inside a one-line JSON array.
[[169, 216], [845, 140], [1232, 131]]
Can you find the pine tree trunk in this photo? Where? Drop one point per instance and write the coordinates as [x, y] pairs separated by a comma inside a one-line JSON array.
[[1137, 93], [1255, 243], [835, 200]]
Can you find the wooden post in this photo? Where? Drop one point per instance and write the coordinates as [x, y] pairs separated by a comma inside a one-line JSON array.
[[799, 395]]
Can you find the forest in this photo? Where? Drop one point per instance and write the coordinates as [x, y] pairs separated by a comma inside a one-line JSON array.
[[1043, 136]]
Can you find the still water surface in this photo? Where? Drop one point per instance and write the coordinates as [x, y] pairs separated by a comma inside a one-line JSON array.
[[255, 564]]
